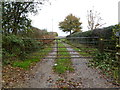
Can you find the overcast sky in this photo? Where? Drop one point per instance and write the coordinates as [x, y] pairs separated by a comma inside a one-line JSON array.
[[50, 15]]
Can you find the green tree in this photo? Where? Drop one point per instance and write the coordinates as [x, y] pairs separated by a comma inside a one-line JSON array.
[[70, 24], [14, 16]]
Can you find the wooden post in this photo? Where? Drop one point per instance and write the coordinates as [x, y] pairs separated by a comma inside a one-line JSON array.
[[57, 46], [118, 57]]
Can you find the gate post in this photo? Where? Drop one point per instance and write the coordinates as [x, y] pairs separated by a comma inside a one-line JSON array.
[[57, 46], [118, 56], [118, 49]]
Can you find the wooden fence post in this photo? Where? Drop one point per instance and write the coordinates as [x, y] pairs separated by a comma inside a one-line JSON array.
[[57, 46], [118, 49], [118, 57]]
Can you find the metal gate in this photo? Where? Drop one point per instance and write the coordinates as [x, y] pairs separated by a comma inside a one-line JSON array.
[[76, 43]]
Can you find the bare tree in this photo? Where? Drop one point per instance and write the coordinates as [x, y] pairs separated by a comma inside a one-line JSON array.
[[94, 20]]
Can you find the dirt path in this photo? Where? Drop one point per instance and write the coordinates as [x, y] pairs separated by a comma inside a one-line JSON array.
[[89, 77]]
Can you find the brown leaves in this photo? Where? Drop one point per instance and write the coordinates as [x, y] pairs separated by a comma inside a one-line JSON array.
[[12, 76], [64, 83]]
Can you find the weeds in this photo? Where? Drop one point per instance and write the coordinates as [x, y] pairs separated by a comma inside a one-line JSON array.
[[106, 63]]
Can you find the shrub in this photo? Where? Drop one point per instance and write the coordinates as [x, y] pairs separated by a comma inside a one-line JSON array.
[[105, 33], [15, 47]]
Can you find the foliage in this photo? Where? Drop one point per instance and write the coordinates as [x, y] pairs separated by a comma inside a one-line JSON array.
[[54, 34], [18, 46], [70, 23], [81, 34], [10, 42], [105, 33], [107, 63], [14, 16], [15, 26], [116, 29], [15, 47], [38, 33]]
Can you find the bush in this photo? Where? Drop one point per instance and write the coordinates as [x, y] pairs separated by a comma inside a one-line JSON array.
[[31, 45], [14, 47], [105, 33], [10, 41]]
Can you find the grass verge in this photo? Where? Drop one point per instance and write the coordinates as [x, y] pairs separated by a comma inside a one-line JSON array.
[[32, 58]]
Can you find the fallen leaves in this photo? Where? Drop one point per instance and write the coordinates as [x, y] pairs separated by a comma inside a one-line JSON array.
[[12, 76], [64, 83]]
